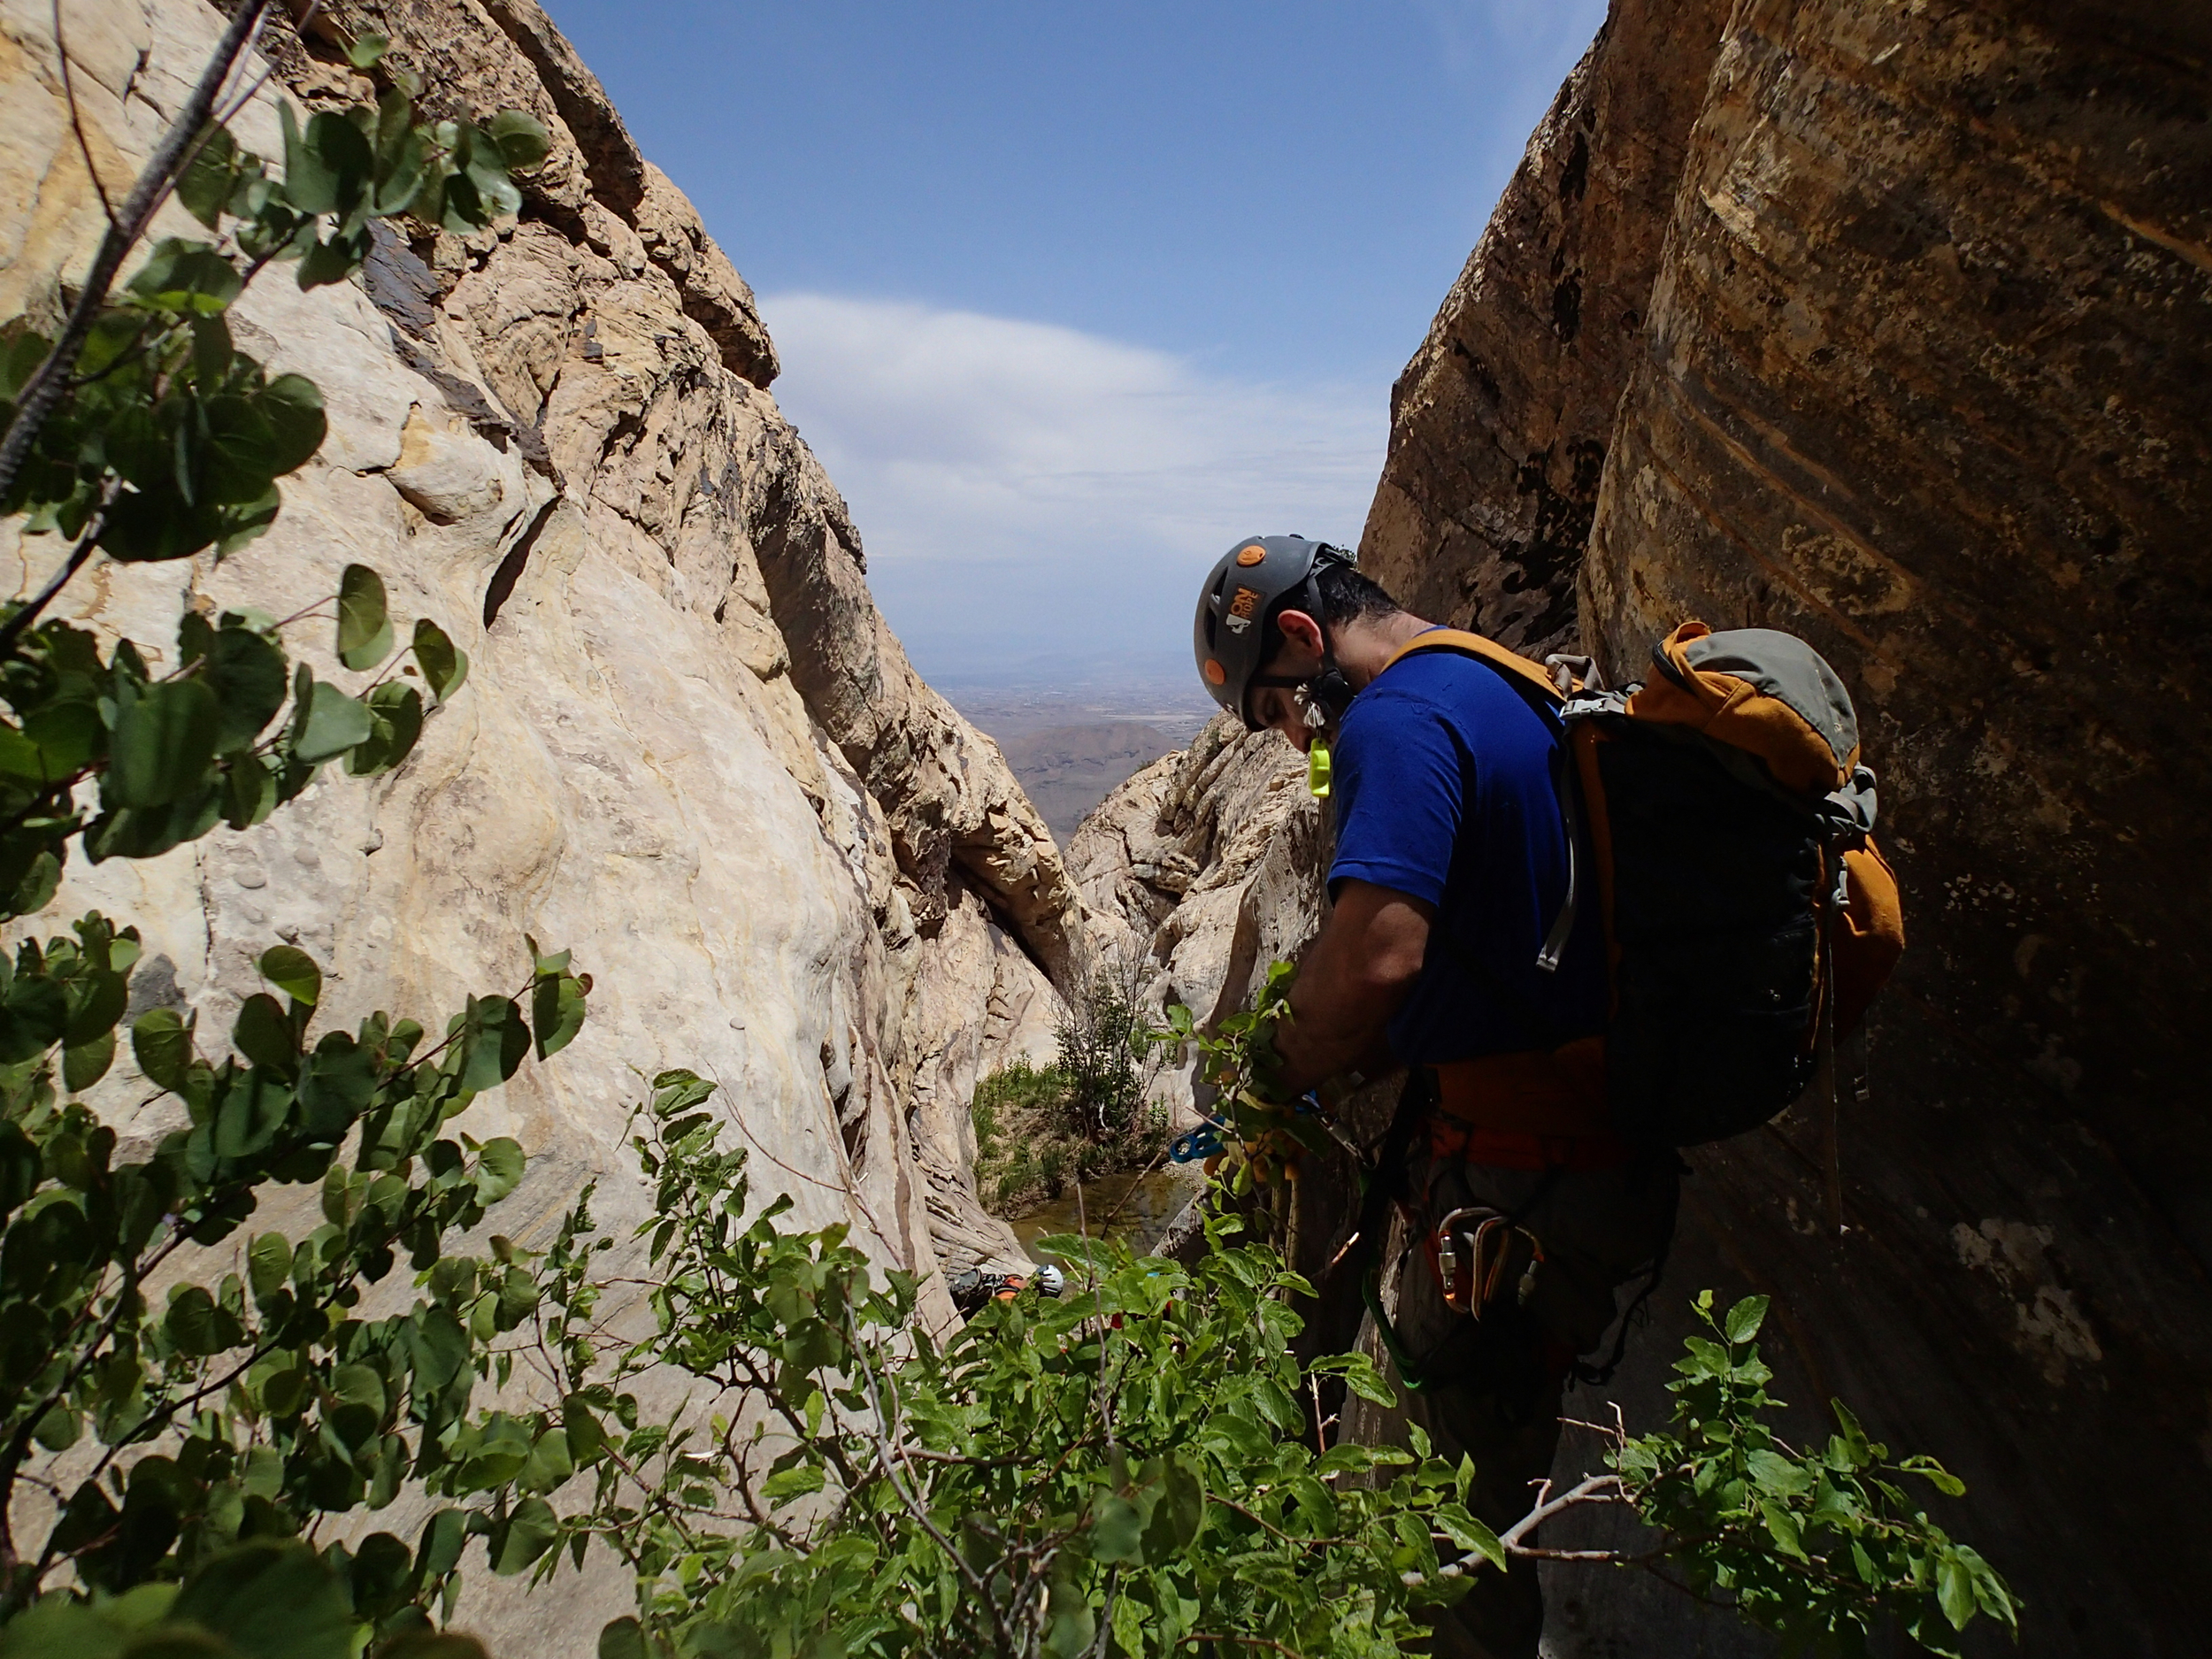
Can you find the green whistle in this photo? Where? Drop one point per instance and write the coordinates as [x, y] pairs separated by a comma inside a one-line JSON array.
[[1317, 772]]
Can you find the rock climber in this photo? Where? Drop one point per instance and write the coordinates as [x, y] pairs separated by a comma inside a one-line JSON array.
[[1450, 868]]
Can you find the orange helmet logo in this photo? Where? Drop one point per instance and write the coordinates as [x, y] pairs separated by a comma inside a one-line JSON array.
[[1251, 555], [1215, 674]]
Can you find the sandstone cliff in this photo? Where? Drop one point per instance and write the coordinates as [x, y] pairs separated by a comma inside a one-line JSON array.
[[1886, 324], [690, 748]]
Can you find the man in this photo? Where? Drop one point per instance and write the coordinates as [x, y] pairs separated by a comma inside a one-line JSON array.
[[1452, 865]]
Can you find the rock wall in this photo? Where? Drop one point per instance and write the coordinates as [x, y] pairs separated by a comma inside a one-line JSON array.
[[1886, 324], [690, 748]]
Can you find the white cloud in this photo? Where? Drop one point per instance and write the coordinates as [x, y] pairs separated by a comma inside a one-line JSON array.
[[989, 460]]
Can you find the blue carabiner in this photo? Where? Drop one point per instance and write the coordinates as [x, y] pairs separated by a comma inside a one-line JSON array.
[[1201, 1142]]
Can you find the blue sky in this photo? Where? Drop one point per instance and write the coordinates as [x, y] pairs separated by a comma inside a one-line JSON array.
[[1070, 297]]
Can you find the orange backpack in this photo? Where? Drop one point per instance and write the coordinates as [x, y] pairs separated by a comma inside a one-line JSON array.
[[1750, 917]]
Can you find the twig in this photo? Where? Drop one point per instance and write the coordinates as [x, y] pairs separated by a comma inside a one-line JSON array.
[[1106, 1226], [851, 1192], [43, 389], [11, 630], [1593, 1489], [76, 120]]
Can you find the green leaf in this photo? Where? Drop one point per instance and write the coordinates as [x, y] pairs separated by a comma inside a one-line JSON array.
[[265, 1035], [163, 743], [366, 51], [624, 1639], [549, 1463], [249, 792], [678, 1091], [494, 1040], [246, 675], [1469, 1534], [252, 1109], [270, 1600], [87, 1063], [334, 723], [1954, 1591], [1936, 1475], [1745, 1318], [397, 710], [794, 1482], [236, 460], [293, 972], [1773, 1472], [203, 187], [191, 1322], [59, 1429], [422, 1644], [1117, 1533], [95, 1004], [33, 1016], [444, 664], [162, 1043], [557, 1011], [186, 277], [324, 167], [364, 630], [336, 1086], [528, 1533], [499, 1166], [522, 143], [35, 891], [293, 406], [268, 1264]]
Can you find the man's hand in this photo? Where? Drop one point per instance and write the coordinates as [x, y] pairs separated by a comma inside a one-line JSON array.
[[1355, 977]]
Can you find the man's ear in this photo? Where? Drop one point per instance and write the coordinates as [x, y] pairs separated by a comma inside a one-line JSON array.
[[1300, 629]]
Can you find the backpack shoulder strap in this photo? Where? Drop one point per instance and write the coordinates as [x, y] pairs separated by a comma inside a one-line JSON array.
[[1535, 685], [1526, 676]]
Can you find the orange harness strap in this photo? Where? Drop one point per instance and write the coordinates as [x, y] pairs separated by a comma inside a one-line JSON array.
[[1538, 1110]]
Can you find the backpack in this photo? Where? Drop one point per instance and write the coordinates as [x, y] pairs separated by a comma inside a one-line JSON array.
[[1749, 919]]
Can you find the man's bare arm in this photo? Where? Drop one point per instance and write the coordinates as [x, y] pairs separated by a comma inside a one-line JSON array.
[[1355, 977]]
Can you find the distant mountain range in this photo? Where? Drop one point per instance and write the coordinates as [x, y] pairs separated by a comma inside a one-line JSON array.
[[1067, 770]]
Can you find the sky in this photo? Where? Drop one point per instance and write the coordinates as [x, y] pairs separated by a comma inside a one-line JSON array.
[[1070, 298]]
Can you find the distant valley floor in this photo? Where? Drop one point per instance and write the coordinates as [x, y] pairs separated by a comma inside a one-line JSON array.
[[1071, 747]]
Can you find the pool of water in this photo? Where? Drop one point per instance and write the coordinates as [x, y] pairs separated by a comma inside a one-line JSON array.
[[1141, 1207]]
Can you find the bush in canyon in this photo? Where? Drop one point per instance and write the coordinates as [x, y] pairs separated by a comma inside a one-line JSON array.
[[1133, 1469]]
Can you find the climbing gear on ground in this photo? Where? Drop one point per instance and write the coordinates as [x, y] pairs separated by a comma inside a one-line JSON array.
[[974, 1289], [1750, 917], [1234, 633]]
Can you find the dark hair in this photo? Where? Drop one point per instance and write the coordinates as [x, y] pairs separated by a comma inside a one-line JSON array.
[[1346, 596]]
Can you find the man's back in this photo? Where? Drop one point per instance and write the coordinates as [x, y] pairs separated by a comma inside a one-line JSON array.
[[1446, 789]]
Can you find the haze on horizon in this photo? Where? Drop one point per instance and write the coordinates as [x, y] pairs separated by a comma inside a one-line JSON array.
[[1068, 300]]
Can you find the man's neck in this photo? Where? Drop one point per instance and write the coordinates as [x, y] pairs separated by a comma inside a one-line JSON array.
[[1364, 646]]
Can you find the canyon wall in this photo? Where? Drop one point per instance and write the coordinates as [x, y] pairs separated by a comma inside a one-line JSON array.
[[1887, 325], [690, 749]]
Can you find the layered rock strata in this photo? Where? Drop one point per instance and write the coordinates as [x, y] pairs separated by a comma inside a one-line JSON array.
[[690, 749], [1888, 326]]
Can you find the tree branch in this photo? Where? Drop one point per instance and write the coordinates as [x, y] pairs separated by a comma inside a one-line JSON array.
[[43, 389]]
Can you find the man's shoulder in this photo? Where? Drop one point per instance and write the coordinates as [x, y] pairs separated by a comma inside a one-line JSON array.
[[1446, 684]]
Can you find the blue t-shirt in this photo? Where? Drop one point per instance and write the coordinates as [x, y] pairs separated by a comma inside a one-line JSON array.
[[1446, 789]]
